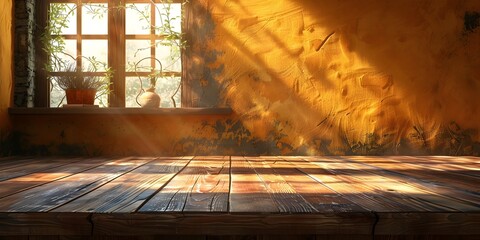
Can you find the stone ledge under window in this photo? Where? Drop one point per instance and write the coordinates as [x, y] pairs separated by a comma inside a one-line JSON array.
[[120, 111]]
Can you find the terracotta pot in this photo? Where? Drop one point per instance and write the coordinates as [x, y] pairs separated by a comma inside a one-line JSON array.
[[149, 99], [81, 96]]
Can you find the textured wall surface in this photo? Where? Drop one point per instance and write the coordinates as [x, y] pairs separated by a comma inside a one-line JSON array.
[[307, 77], [24, 54], [359, 77], [5, 69]]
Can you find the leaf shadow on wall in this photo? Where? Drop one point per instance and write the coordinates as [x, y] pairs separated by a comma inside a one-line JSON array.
[[348, 77], [427, 50]]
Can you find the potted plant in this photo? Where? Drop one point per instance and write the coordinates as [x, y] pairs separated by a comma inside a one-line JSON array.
[[79, 87], [69, 77]]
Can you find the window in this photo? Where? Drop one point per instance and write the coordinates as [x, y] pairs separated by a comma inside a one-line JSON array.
[[137, 42]]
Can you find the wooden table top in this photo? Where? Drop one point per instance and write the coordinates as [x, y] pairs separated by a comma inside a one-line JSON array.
[[217, 194]]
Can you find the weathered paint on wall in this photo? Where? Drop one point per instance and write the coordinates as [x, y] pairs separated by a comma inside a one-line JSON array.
[[308, 77], [5, 70]]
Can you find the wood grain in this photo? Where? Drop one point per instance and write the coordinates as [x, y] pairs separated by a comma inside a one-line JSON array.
[[172, 197], [21, 224], [282, 193], [384, 187], [8, 162], [54, 194], [211, 190], [35, 179], [129, 191], [231, 224], [439, 194], [222, 197], [322, 198], [25, 168], [428, 224], [353, 190], [264, 237], [248, 192], [437, 171]]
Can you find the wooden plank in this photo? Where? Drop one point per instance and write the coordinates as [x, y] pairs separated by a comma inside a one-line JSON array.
[[48, 237], [348, 188], [439, 163], [263, 237], [294, 237], [280, 237], [281, 182], [460, 175], [174, 196], [454, 162], [346, 237], [21, 224], [7, 162], [63, 237], [282, 193], [14, 237], [459, 160], [439, 194], [211, 190], [428, 223], [248, 193], [54, 194], [25, 168], [128, 192], [435, 171], [384, 187], [322, 198], [419, 236], [32, 180], [231, 224], [141, 237]]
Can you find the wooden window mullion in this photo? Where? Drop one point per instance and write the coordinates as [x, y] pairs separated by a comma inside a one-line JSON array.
[[79, 36], [116, 51], [188, 75], [42, 86], [152, 39]]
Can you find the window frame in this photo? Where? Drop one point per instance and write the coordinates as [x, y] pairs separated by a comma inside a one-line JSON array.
[[116, 37]]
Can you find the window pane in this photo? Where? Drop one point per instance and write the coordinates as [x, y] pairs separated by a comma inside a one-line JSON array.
[[101, 99], [166, 87], [145, 51], [63, 18], [63, 55], [95, 19], [168, 18], [95, 55], [132, 89], [57, 95], [138, 20], [138, 53], [169, 56]]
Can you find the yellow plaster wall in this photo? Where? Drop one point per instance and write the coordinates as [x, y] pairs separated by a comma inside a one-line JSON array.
[[355, 74], [5, 66], [311, 77]]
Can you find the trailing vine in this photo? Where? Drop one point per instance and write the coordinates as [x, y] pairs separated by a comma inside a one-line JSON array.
[[171, 38], [54, 46]]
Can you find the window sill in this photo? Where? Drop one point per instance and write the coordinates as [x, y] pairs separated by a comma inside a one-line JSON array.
[[120, 111]]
